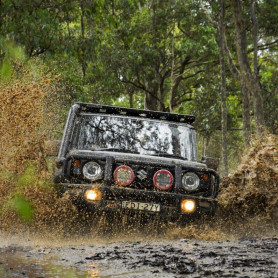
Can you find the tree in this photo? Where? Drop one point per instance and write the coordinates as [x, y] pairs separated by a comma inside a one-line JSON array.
[[221, 46], [178, 56], [249, 79], [153, 48]]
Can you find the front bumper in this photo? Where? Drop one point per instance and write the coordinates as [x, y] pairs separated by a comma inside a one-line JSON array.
[[113, 196]]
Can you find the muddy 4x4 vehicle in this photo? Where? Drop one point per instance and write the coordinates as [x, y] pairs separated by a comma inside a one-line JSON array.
[[124, 159]]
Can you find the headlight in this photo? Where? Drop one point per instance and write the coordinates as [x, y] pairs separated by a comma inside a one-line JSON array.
[[190, 181], [92, 171]]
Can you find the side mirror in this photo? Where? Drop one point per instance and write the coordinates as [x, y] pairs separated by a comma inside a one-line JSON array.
[[212, 163]]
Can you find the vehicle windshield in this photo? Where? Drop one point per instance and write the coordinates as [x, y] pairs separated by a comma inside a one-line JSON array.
[[127, 134]]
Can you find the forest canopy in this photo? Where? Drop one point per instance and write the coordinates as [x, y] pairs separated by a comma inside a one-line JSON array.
[[216, 60]]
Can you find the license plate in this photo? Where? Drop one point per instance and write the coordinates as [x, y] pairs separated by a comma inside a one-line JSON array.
[[140, 206]]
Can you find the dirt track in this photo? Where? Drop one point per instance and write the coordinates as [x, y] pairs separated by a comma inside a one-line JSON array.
[[143, 258]]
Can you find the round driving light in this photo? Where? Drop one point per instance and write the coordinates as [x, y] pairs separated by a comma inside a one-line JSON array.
[[123, 175], [93, 194], [163, 179], [190, 181], [188, 205], [92, 171]]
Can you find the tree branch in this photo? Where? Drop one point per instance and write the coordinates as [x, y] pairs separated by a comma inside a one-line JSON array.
[[263, 46], [205, 10], [231, 64], [192, 75], [141, 87], [255, 37]]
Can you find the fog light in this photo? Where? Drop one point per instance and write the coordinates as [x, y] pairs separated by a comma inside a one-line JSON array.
[[93, 194], [163, 179], [188, 205], [123, 175]]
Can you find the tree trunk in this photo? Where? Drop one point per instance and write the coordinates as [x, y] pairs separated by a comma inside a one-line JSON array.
[[258, 99], [224, 152], [151, 95], [248, 79], [154, 96], [246, 118], [246, 107], [255, 37], [258, 108], [151, 102], [82, 25], [175, 82], [171, 105], [131, 93], [1, 19]]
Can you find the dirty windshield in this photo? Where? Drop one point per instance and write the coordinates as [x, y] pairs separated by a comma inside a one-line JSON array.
[[126, 134]]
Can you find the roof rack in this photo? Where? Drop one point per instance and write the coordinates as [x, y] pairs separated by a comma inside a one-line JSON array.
[[97, 108]]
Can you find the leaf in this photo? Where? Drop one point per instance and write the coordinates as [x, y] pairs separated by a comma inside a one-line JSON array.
[[23, 208], [5, 71]]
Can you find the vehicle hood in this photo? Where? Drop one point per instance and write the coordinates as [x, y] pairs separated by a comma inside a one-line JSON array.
[[138, 157]]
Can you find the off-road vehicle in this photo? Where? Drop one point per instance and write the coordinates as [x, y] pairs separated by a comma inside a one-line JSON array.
[[123, 159]]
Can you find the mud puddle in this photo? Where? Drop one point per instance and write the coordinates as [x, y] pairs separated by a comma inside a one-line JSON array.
[[88, 257], [17, 261]]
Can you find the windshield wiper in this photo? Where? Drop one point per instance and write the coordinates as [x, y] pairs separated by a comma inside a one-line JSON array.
[[116, 150], [169, 155]]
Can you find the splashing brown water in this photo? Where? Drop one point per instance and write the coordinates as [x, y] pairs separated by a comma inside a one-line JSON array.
[[253, 187], [26, 119], [247, 201]]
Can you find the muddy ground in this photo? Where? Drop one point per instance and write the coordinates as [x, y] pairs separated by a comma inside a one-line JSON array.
[[29, 256]]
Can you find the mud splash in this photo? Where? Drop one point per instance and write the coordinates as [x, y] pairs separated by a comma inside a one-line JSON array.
[[253, 187], [29, 202], [28, 116], [248, 199], [249, 196]]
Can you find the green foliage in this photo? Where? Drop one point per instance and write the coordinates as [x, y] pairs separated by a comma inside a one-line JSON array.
[[268, 17], [15, 199], [28, 177], [23, 208], [269, 83], [11, 53], [5, 70]]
